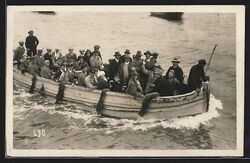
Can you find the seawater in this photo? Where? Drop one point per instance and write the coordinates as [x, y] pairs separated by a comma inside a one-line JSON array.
[[67, 126]]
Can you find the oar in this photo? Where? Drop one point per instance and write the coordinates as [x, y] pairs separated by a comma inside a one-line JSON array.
[[210, 58]]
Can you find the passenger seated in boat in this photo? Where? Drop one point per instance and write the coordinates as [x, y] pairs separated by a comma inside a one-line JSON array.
[[172, 84], [96, 60], [24, 64], [87, 56], [33, 68], [124, 70], [48, 55], [45, 71], [81, 76], [19, 52], [79, 64], [138, 63], [197, 75], [126, 52], [177, 70], [114, 66], [134, 87], [59, 74], [91, 79], [146, 61], [57, 58], [69, 74], [81, 51], [39, 60], [71, 56], [97, 51], [102, 81]]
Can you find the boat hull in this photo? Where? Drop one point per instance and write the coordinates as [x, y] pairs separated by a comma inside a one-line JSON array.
[[120, 105], [168, 15]]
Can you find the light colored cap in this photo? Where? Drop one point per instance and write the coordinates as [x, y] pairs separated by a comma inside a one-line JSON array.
[[100, 73]]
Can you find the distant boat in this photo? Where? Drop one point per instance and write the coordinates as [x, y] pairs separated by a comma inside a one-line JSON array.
[[46, 12], [168, 15]]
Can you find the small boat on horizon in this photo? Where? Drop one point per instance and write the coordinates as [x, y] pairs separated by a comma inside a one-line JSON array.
[[46, 12], [168, 15], [121, 105]]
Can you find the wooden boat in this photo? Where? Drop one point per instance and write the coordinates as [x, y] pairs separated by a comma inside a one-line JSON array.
[[120, 105], [168, 15]]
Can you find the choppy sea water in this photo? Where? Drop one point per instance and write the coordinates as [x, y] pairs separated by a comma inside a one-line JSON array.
[[66, 126]]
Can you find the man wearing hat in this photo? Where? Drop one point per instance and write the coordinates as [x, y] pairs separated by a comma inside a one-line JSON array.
[[19, 52], [126, 52], [71, 56], [147, 59], [39, 59], [177, 70], [197, 75], [31, 43], [124, 70], [114, 65]]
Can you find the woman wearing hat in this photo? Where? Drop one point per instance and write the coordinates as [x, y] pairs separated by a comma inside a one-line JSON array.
[[31, 43], [177, 70]]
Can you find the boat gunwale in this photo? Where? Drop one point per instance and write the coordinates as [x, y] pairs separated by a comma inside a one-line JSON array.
[[109, 92]]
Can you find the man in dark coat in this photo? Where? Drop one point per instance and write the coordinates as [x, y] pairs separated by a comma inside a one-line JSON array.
[[31, 43], [177, 70], [114, 65], [96, 51], [197, 75]]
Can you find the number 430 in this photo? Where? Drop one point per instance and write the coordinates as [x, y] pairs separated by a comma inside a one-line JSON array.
[[39, 132]]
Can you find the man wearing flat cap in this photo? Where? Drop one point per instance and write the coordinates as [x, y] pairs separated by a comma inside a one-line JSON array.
[[197, 75], [177, 70], [114, 65], [31, 43], [71, 56], [19, 52]]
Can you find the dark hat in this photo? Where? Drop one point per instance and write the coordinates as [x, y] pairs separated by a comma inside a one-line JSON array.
[[147, 52], [138, 53], [117, 54], [49, 49], [175, 60], [40, 50], [30, 31], [127, 51], [96, 46], [202, 62], [88, 51], [71, 49], [20, 42], [155, 54], [81, 50]]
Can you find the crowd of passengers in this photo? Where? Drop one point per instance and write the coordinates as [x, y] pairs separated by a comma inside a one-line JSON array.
[[124, 73]]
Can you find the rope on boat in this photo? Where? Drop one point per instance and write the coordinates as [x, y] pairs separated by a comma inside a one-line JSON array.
[[60, 93], [100, 104], [33, 84], [147, 99], [42, 90]]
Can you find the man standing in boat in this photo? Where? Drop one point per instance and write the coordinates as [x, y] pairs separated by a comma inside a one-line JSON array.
[[31, 43], [177, 70], [197, 75]]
